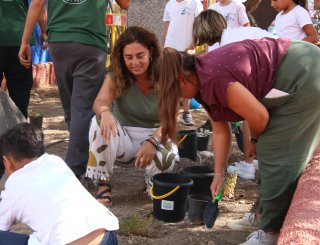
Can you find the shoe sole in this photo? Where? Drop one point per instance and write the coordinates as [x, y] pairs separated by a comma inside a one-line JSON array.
[[188, 124], [242, 227]]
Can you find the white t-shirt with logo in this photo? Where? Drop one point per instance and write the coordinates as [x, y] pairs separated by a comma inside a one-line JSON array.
[[241, 33], [234, 13], [46, 195], [290, 24], [181, 16]]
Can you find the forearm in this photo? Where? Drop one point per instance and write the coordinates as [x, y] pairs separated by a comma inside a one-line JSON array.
[[221, 143], [100, 106], [43, 19], [165, 33], [157, 133], [34, 12]]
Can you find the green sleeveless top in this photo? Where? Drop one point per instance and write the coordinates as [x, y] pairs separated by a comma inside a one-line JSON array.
[[81, 21], [134, 109], [13, 15]]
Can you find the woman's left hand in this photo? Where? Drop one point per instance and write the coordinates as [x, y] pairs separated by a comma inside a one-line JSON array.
[[145, 155]]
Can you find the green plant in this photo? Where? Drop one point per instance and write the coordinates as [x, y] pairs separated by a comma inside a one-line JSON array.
[[135, 225]]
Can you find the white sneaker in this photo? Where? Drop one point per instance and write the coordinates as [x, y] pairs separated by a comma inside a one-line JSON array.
[[260, 238], [247, 223], [243, 169]]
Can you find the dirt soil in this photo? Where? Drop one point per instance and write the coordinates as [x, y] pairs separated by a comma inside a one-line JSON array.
[[127, 183]]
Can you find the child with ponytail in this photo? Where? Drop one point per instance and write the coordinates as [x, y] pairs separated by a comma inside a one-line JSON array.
[[293, 20]]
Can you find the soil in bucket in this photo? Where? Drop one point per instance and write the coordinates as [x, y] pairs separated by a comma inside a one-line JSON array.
[[188, 145], [197, 204], [202, 177], [170, 193]]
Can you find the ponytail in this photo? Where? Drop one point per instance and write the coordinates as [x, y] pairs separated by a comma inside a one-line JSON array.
[[302, 3], [171, 64]]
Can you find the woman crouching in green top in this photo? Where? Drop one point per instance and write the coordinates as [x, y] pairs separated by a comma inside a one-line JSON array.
[[126, 125]]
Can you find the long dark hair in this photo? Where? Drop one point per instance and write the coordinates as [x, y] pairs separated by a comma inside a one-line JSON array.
[[302, 3], [171, 64], [120, 75]]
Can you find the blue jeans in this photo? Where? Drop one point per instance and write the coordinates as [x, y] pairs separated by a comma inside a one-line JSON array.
[[12, 238], [110, 238]]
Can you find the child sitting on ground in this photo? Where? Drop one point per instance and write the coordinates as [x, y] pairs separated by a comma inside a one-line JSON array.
[[43, 193]]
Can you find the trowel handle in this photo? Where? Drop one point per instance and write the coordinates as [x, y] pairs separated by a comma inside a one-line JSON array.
[[218, 197]]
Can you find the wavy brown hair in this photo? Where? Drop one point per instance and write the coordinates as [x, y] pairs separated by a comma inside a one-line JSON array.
[[171, 64], [120, 75], [208, 27]]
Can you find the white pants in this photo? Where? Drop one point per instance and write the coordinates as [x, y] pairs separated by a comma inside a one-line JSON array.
[[122, 149]]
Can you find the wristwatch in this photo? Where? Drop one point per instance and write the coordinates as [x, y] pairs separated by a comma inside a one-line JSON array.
[[253, 141]]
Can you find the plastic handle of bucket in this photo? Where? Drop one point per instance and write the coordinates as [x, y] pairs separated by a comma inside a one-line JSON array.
[[164, 195], [182, 139]]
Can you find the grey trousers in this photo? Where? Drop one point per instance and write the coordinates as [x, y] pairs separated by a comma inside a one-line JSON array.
[[80, 71]]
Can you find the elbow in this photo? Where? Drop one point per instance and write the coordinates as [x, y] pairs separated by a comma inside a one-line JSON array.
[[263, 121], [315, 39], [312, 38]]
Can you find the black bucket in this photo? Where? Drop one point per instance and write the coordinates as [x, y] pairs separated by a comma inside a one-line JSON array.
[[188, 146], [202, 177], [170, 193], [202, 142], [197, 204]]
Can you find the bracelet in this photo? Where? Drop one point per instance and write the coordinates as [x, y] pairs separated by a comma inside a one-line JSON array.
[[153, 141]]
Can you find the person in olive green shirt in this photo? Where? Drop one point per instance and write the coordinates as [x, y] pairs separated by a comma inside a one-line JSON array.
[[77, 43], [128, 130], [19, 79]]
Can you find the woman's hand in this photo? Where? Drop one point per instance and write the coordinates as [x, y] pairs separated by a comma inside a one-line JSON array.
[[25, 55], [252, 149], [108, 125], [145, 155], [216, 185]]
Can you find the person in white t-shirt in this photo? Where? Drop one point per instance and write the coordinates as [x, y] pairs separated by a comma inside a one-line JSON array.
[[43, 193], [234, 13], [178, 17], [293, 20], [210, 27]]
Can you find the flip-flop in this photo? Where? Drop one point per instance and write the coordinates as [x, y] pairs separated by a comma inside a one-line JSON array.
[[104, 199]]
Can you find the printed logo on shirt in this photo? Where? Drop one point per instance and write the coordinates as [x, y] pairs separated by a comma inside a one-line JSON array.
[[74, 1], [185, 11], [230, 17]]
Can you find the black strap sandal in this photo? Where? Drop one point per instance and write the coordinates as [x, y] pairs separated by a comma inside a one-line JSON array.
[[101, 196]]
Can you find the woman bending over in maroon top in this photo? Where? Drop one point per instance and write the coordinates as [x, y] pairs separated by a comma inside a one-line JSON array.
[[271, 83]]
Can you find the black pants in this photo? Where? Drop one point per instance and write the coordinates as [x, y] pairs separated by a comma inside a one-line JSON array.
[[80, 71], [19, 79]]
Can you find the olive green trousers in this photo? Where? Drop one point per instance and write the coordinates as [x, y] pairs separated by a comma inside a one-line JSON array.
[[292, 134]]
